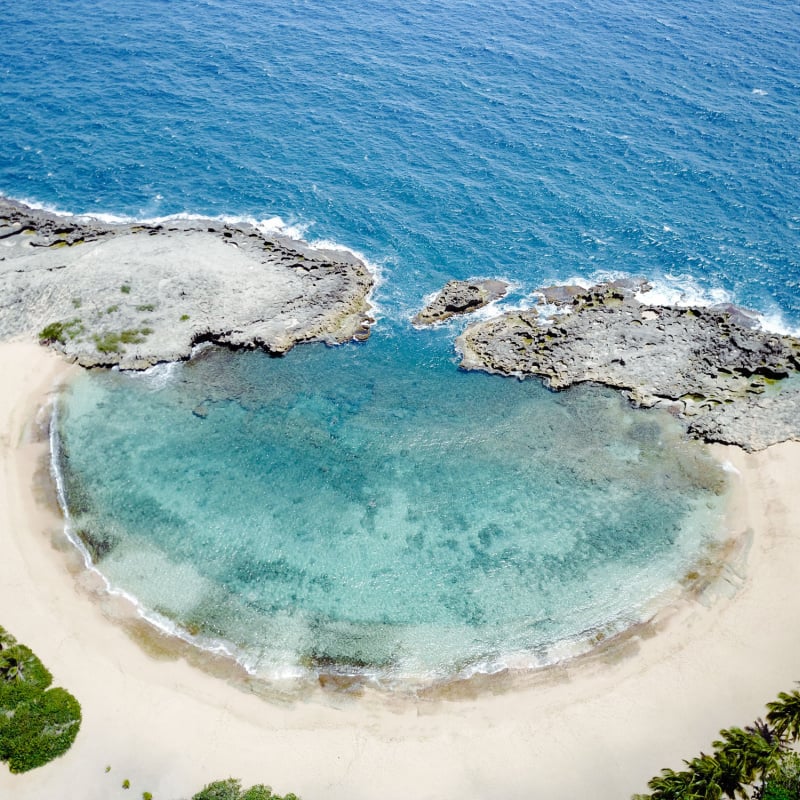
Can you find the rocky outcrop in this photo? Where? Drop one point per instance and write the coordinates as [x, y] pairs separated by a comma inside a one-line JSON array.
[[460, 297], [139, 294], [729, 380]]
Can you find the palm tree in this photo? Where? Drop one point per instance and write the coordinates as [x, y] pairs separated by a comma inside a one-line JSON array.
[[754, 752], [784, 714], [774, 747], [671, 785], [730, 779], [706, 773]]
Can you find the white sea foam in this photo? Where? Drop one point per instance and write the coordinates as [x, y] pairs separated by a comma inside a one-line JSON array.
[[500, 306], [277, 227], [51, 209], [159, 375], [774, 321], [684, 290]]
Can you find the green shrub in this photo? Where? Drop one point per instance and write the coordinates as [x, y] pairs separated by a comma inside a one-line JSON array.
[[125, 288], [131, 336], [61, 331], [773, 791], [107, 343], [40, 730], [783, 781], [54, 332], [258, 792], [126, 784], [146, 307], [184, 317], [111, 341], [22, 676], [6, 639], [112, 309], [147, 796], [37, 724], [230, 789]]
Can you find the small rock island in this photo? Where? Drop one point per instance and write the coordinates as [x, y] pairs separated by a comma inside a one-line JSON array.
[[728, 379], [138, 294], [460, 297]]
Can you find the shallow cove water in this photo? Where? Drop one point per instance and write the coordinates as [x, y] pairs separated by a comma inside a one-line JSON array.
[[370, 509]]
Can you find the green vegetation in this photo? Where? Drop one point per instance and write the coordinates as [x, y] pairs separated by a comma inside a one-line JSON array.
[[61, 331], [126, 784], [113, 341], [147, 796], [112, 309], [146, 307], [231, 789], [76, 302], [37, 723], [184, 317], [756, 761], [125, 288]]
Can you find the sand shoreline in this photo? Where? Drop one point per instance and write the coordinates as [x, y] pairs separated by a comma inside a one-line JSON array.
[[598, 727]]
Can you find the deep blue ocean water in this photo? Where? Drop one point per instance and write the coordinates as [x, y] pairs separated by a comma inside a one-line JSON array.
[[537, 140], [534, 141]]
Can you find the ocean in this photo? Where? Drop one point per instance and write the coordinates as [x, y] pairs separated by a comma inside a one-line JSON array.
[[369, 507]]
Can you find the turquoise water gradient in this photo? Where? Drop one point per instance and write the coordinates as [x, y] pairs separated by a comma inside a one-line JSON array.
[[362, 507], [372, 505]]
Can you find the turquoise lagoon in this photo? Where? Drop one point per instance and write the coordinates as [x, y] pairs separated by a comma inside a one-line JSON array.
[[369, 509]]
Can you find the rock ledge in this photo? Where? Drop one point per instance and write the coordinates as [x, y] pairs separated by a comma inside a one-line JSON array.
[[460, 297], [729, 380], [138, 294]]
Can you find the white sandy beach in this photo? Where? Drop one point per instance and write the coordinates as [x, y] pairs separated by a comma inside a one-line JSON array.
[[596, 729]]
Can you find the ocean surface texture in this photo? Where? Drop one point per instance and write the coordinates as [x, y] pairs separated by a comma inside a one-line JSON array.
[[370, 507]]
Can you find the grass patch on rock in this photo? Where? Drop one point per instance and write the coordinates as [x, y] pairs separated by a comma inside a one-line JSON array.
[[113, 341], [61, 331]]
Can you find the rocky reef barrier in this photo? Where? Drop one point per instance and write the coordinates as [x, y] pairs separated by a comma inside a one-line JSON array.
[[460, 297], [137, 294], [715, 368]]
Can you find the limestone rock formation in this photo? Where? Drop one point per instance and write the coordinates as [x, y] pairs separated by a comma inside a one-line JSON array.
[[139, 294], [460, 297], [729, 380]]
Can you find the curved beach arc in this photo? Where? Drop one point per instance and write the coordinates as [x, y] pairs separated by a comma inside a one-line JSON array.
[[599, 726]]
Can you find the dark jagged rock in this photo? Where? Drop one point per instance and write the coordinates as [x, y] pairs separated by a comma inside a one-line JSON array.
[[565, 294], [561, 295], [460, 297], [138, 294], [731, 382]]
